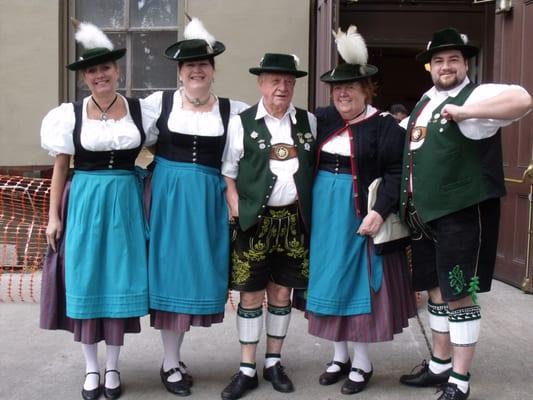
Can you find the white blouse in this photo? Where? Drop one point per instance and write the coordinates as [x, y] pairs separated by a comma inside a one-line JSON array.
[[189, 122], [58, 125]]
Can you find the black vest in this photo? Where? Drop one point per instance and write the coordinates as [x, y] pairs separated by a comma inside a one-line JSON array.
[[86, 160], [174, 146]]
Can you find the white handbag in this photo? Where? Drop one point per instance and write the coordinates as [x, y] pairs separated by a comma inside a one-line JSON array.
[[393, 228]]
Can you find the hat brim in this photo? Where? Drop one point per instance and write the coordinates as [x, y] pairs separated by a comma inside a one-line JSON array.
[[337, 75], [467, 50], [113, 55], [170, 52], [274, 70]]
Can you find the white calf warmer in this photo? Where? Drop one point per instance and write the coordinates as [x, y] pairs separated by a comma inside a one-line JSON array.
[[465, 325], [277, 321], [438, 317], [249, 324]]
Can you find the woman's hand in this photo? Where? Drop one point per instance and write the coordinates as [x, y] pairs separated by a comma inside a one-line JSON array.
[[232, 198], [54, 230], [371, 224]]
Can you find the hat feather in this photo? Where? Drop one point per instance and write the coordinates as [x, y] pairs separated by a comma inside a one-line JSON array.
[[196, 30], [351, 46], [90, 37]]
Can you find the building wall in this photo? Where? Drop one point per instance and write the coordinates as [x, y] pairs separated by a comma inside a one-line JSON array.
[[249, 29], [29, 79]]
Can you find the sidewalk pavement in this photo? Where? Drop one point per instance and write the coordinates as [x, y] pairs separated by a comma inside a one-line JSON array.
[[36, 364]]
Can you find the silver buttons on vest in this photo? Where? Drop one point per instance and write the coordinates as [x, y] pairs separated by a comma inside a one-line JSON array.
[[194, 146]]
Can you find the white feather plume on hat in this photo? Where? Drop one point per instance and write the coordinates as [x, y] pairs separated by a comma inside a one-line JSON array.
[[351, 46], [91, 37], [196, 30]]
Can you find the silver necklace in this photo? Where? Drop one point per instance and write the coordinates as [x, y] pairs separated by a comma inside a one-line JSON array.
[[197, 102], [103, 115]]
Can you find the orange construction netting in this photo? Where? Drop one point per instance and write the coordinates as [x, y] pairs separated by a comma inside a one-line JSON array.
[[23, 219]]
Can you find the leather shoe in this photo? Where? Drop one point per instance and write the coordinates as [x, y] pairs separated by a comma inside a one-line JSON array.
[[239, 385], [424, 377], [185, 374], [450, 391], [113, 393], [279, 379], [329, 378], [180, 388], [91, 394], [352, 387]]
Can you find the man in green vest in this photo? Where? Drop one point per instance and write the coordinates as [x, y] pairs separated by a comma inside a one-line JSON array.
[[451, 187], [268, 166]]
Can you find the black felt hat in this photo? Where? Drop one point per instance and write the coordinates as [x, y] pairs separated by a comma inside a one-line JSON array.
[[193, 49], [277, 63], [447, 39]]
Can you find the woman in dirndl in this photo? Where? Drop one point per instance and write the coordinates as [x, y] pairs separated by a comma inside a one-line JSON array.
[[95, 281], [358, 292], [189, 231]]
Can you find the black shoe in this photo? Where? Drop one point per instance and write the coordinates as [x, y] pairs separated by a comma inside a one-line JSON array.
[[180, 388], [185, 374], [239, 385], [424, 377], [352, 387], [91, 394], [115, 392], [450, 391], [279, 379], [329, 378]]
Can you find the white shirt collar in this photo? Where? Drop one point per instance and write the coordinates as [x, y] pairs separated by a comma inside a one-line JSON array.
[[434, 93], [262, 112]]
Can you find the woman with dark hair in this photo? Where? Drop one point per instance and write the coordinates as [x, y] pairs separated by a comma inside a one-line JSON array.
[[101, 234], [358, 291], [189, 230]]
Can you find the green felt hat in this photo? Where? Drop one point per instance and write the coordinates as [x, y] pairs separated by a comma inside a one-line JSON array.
[[276, 63], [447, 39], [98, 55], [193, 49], [346, 72]]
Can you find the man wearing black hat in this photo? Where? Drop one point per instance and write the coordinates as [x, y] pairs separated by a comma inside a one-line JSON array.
[[451, 184], [268, 164]]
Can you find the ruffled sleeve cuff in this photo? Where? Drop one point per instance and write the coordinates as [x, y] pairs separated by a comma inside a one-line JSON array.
[[238, 106], [56, 130]]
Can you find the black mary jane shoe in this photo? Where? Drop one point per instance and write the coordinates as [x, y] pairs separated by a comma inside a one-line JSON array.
[[112, 393], [185, 374], [180, 388], [279, 379], [239, 385], [91, 394], [450, 391], [329, 378], [352, 387], [421, 376]]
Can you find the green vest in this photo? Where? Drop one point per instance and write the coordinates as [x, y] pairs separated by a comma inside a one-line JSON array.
[[255, 181], [448, 170]]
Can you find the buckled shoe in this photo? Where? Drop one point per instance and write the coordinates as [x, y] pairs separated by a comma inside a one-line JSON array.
[[329, 378], [94, 393], [113, 393], [180, 388], [352, 387]]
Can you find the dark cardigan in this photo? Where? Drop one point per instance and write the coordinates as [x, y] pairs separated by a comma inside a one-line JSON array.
[[378, 149]]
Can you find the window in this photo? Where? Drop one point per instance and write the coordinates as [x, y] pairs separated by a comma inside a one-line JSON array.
[[145, 28]]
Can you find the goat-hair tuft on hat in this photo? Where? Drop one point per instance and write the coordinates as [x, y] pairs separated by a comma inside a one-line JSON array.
[[199, 44], [352, 48], [98, 48]]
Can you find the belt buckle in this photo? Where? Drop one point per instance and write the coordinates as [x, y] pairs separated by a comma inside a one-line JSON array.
[[282, 152]]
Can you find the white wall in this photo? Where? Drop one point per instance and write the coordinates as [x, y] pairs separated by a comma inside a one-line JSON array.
[[28, 77]]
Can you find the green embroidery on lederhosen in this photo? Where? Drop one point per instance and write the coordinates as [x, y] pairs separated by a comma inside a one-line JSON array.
[[473, 288], [456, 278], [294, 245]]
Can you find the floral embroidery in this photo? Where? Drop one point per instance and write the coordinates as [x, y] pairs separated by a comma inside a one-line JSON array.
[[456, 277]]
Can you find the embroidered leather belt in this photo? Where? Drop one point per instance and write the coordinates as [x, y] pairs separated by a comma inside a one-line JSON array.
[[283, 151], [418, 133]]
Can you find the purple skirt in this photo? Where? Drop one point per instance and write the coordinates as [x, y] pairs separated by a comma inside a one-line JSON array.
[[392, 306], [182, 322], [53, 304]]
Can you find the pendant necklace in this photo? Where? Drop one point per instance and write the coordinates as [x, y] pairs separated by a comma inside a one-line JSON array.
[[103, 115], [197, 102]]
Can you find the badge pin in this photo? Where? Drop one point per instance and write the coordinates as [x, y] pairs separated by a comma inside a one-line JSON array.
[[254, 135], [443, 121], [307, 146], [262, 146]]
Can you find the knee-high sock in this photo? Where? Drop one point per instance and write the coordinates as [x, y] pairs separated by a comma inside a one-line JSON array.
[[112, 379], [171, 349], [90, 353], [465, 323], [249, 324], [340, 354], [438, 317], [277, 321], [360, 360]]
